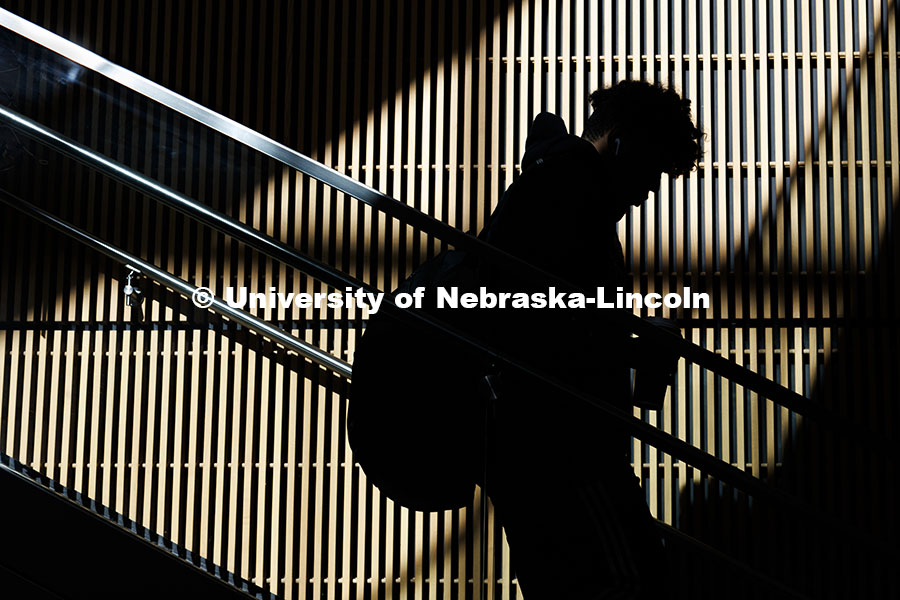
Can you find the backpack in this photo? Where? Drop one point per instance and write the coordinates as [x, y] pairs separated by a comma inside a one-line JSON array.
[[415, 418]]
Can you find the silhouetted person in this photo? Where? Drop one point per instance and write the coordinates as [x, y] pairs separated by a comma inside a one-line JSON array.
[[558, 472]]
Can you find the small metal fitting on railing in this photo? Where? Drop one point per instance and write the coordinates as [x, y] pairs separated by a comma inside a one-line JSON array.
[[134, 297]]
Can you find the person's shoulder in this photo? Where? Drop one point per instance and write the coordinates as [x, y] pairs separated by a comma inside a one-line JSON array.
[[544, 127], [549, 141], [574, 162]]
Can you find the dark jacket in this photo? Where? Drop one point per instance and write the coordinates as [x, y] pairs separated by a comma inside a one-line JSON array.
[[555, 217], [416, 420]]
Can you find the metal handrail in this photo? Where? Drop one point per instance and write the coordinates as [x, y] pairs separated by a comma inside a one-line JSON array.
[[176, 284], [18, 478], [411, 216], [341, 367], [308, 351], [678, 536], [281, 252], [720, 365], [284, 253], [405, 214], [680, 449]]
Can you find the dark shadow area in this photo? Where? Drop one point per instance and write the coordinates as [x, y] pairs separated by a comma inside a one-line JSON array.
[[274, 72], [858, 381]]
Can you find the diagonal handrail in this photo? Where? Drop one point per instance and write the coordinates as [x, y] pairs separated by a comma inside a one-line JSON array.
[[636, 427], [280, 251], [644, 431], [780, 589], [134, 548], [408, 215], [411, 216], [666, 442], [163, 277]]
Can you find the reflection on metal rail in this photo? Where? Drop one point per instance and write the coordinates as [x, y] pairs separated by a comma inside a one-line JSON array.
[[410, 216], [68, 545], [326, 360], [281, 252], [168, 280], [333, 277], [711, 465], [339, 181]]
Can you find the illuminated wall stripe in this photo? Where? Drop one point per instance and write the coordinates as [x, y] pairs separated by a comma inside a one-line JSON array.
[[238, 453]]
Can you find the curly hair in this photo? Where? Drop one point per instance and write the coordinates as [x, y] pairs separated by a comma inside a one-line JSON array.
[[652, 112]]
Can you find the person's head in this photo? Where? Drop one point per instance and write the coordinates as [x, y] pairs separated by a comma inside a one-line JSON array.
[[643, 130]]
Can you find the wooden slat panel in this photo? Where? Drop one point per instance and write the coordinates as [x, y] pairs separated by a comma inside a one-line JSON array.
[[789, 220]]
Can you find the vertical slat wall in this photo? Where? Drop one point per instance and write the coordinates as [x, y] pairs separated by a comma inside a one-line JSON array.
[[238, 453]]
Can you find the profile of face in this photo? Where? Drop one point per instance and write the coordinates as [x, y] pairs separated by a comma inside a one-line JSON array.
[[634, 175], [636, 180]]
